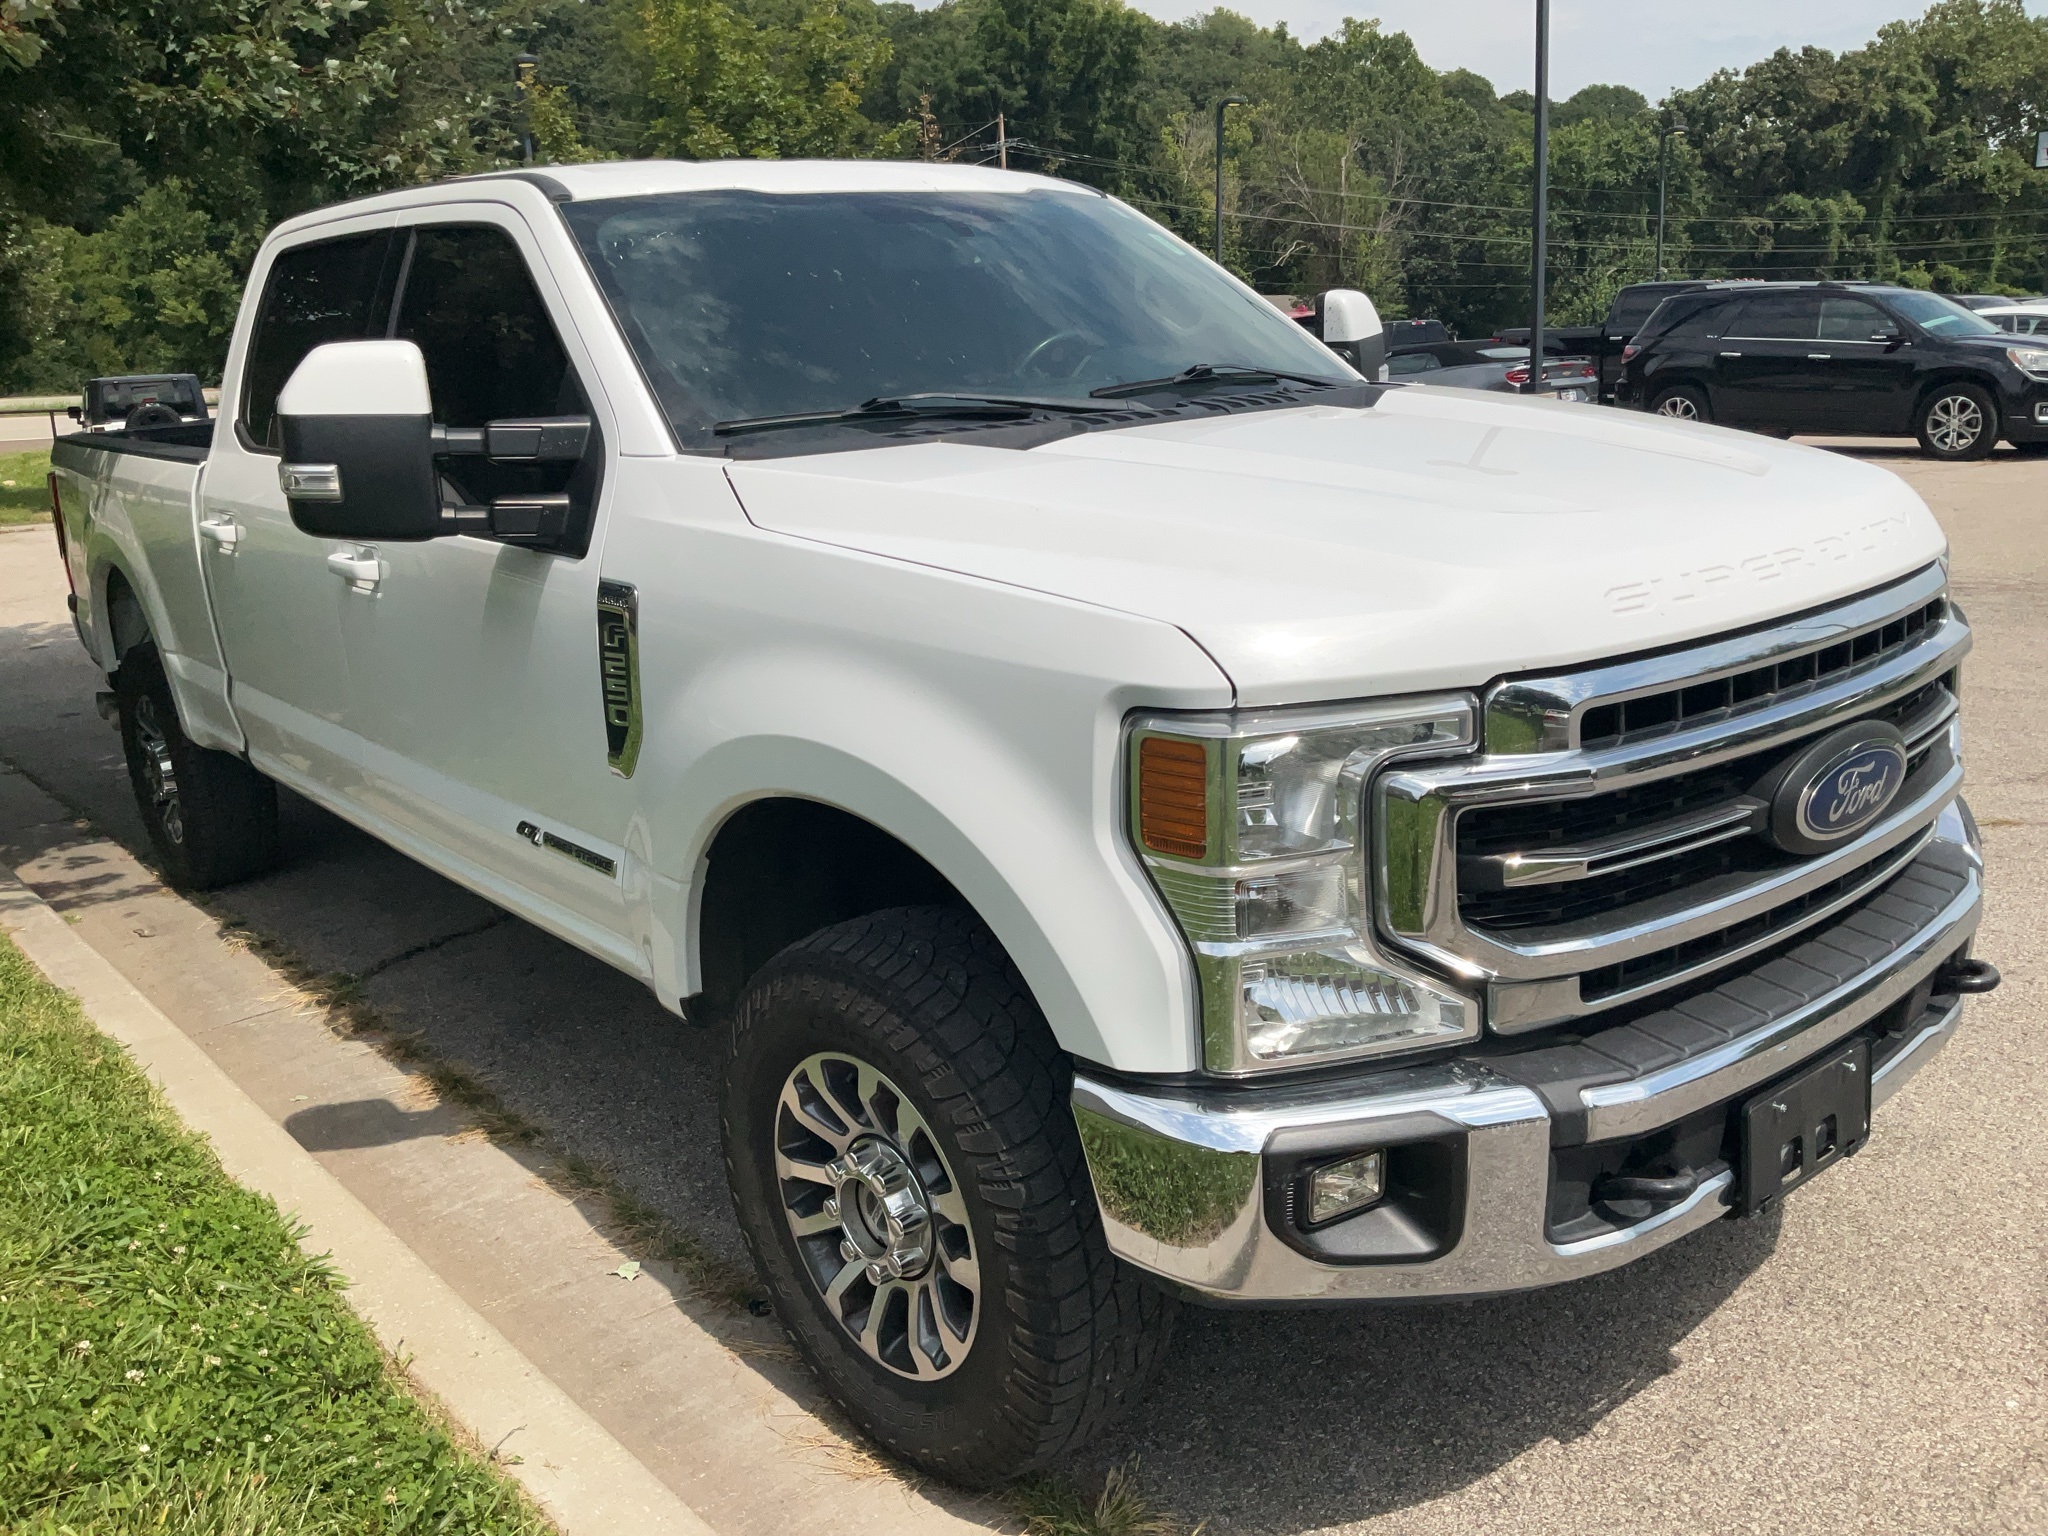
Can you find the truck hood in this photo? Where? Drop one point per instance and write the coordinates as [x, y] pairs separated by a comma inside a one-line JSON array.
[[1439, 538]]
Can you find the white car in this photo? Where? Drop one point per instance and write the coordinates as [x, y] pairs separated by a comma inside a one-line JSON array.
[[2020, 319], [1150, 812]]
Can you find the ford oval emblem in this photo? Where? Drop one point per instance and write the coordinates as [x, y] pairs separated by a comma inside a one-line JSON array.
[[1847, 796], [1836, 788]]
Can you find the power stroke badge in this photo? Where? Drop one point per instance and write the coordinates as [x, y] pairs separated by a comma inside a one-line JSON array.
[[618, 660], [1836, 788]]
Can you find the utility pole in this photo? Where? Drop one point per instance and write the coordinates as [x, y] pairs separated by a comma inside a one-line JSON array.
[[1227, 101], [1002, 143], [1674, 126], [1542, 209], [522, 76]]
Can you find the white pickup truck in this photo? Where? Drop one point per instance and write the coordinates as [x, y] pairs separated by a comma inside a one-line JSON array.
[[1153, 814]]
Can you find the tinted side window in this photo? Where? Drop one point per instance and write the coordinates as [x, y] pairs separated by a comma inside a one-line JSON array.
[[1851, 320], [316, 294], [490, 348], [1779, 317], [1632, 309]]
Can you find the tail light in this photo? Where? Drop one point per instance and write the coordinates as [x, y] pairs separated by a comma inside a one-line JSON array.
[[1629, 351], [1518, 375], [1585, 371], [57, 521]]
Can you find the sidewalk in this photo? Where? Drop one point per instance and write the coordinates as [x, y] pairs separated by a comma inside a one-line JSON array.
[[642, 1378]]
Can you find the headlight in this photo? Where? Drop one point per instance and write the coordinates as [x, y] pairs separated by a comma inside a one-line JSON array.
[[1252, 826], [2032, 361]]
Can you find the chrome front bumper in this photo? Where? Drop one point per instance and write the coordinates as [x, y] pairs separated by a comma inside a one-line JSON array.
[[1181, 1179]]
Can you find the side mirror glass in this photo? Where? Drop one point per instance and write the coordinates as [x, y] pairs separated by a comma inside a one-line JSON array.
[[75, 412], [1350, 326], [357, 424]]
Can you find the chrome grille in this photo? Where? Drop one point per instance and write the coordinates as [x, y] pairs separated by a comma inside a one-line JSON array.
[[1568, 876]]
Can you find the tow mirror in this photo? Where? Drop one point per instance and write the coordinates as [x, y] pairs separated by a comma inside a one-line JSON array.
[[358, 428], [75, 412], [1350, 326], [360, 444]]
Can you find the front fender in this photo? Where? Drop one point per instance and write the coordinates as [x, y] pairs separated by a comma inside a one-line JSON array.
[[1000, 770]]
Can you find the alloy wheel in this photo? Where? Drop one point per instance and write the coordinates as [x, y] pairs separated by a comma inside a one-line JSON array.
[[877, 1216], [1954, 423], [159, 773], [1679, 408]]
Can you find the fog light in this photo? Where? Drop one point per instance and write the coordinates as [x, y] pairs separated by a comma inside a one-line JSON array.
[[1338, 1189]]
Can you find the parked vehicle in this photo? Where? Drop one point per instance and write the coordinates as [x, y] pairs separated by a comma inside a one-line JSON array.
[[136, 402], [1481, 365], [1847, 359], [1146, 811], [1603, 343], [2029, 319], [1985, 301]]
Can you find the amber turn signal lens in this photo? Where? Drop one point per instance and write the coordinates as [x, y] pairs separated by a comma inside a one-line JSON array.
[[1173, 796]]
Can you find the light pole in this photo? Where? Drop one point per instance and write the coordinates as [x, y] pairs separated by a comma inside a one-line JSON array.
[[1542, 209], [1673, 126], [1228, 101], [523, 67]]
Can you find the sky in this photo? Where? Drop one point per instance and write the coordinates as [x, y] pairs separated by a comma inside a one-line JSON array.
[[1653, 45]]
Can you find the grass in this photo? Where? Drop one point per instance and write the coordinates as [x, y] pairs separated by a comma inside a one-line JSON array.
[[170, 1361], [25, 487], [1055, 1507]]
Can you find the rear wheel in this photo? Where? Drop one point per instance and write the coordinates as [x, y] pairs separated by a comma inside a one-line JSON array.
[[211, 818], [1957, 421], [908, 1176], [1682, 402]]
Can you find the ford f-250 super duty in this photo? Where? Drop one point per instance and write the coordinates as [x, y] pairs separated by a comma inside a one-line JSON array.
[[1151, 813]]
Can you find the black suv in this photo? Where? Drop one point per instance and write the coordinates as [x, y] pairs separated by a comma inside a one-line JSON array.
[[1850, 359]]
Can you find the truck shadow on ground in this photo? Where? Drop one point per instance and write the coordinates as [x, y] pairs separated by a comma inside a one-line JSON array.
[[1261, 1422]]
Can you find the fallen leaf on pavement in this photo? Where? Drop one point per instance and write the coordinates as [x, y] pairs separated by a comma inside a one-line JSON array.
[[628, 1270]]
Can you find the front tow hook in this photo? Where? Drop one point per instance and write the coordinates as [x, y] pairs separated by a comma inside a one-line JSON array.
[[1970, 977], [1652, 1189]]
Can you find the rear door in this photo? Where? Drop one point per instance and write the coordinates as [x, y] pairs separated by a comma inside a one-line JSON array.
[[1764, 369], [277, 605], [1864, 365]]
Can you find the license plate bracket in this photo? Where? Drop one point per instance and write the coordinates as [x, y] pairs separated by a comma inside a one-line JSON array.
[[1804, 1125]]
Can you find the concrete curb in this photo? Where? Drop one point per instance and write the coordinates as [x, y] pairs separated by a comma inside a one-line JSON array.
[[588, 1483]]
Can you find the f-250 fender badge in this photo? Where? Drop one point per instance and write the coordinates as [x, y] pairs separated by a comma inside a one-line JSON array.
[[618, 660]]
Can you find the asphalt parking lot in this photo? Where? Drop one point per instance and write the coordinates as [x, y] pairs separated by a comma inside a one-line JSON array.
[[1869, 1360]]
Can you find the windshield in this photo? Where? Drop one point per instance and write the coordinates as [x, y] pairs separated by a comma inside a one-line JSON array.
[[744, 304], [1939, 316]]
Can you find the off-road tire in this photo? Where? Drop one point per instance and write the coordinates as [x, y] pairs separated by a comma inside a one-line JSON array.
[[1682, 402], [1947, 414], [219, 822], [1066, 1336]]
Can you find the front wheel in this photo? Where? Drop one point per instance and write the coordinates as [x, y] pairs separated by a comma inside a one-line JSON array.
[[211, 818], [1682, 402], [907, 1174], [1957, 421]]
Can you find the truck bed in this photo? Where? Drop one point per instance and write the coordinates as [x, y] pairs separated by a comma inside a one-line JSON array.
[[187, 442]]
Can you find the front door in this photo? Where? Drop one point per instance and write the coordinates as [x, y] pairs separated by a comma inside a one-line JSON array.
[[1765, 363], [1866, 370], [477, 694]]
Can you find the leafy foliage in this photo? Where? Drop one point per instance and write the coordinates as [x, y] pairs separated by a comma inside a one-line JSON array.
[[1354, 163]]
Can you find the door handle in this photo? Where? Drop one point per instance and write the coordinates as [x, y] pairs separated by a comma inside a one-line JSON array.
[[1731, 354], [361, 571], [225, 532], [1820, 357]]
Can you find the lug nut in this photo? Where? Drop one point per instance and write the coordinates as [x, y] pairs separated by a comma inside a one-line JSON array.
[[847, 1251], [832, 1206]]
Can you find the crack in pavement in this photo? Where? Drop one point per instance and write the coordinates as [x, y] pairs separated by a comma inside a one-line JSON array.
[[379, 967]]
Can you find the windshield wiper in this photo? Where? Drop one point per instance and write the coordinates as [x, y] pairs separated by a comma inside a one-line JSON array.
[[909, 407], [1210, 373]]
